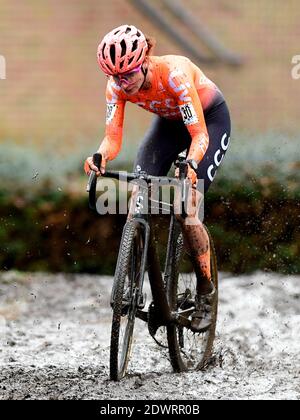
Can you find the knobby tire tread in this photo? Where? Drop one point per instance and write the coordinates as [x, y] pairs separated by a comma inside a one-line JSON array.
[[118, 290]]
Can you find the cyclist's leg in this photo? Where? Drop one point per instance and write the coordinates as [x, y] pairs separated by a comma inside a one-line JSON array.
[[160, 147], [219, 128], [167, 138], [196, 238]]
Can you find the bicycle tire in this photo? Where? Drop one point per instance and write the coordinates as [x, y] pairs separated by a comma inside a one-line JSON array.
[[183, 356], [127, 277]]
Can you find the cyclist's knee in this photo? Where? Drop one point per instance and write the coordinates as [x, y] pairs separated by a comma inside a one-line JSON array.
[[192, 209]]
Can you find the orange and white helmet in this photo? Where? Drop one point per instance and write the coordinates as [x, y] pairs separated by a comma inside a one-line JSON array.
[[121, 50]]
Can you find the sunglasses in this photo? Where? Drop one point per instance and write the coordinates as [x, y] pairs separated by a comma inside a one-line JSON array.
[[126, 77]]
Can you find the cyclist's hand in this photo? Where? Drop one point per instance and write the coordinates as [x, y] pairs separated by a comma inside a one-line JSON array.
[[89, 165], [191, 175]]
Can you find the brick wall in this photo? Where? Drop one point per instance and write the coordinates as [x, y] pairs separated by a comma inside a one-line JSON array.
[[54, 91]]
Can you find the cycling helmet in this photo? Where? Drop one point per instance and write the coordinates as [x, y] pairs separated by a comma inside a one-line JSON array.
[[122, 50]]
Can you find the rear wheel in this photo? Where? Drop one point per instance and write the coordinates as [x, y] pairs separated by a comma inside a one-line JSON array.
[[189, 350], [125, 297]]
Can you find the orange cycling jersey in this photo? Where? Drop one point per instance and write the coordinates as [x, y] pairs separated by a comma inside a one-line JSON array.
[[178, 90]]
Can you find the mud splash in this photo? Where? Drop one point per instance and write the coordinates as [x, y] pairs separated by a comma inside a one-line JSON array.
[[55, 331]]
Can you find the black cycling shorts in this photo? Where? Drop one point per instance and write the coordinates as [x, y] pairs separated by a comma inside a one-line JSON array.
[[167, 138]]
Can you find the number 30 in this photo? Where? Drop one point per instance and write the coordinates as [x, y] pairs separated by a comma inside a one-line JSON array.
[[187, 112]]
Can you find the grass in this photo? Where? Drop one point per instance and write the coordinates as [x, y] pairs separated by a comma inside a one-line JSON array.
[[264, 159]]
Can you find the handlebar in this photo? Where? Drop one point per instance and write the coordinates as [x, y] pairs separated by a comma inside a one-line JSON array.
[[129, 176]]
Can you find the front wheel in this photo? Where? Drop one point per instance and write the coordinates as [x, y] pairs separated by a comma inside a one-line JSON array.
[[188, 350], [125, 295]]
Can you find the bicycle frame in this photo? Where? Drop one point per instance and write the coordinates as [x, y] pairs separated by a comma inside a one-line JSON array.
[[173, 295], [157, 282]]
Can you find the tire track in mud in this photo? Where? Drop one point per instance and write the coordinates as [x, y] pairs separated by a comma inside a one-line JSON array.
[[55, 333]]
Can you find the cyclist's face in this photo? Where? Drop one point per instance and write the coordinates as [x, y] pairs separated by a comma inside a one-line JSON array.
[[130, 82]]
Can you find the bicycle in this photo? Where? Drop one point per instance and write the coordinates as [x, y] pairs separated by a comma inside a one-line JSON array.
[[173, 289]]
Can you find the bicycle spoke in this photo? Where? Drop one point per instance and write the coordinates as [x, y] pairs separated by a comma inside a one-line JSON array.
[[188, 350]]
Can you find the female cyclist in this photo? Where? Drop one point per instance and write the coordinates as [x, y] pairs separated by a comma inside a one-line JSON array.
[[191, 114]]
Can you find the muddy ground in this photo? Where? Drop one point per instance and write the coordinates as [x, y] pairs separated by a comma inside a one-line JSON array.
[[55, 331]]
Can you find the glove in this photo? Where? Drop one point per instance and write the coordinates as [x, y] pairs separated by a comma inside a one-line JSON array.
[[191, 175], [89, 165]]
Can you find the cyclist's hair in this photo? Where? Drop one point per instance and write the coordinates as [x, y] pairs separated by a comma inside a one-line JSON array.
[[151, 41]]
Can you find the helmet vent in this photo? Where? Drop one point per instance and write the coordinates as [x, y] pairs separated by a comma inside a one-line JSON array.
[[128, 29], [123, 46], [138, 33], [112, 52], [134, 45]]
